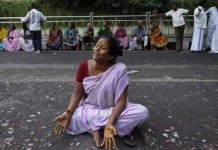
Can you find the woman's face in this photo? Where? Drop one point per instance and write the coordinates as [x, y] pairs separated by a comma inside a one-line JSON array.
[[52, 26], [12, 27], [105, 23], [89, 26], [70, 25], [121, 27], [101, 51]]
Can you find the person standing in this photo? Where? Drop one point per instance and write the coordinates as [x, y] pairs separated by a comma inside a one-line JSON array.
[[35, 17], [214, 45], [200, 23], [213, 12], [178, 23]]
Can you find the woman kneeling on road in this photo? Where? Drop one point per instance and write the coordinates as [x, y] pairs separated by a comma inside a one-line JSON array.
[[99, 100]]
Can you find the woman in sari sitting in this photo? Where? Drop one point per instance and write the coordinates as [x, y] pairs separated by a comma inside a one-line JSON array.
[[3, 35], [26, 43], [157, 40], [54, 40], [100, 98], [12, 42], [121, 35], [105, 30], [71, 37]]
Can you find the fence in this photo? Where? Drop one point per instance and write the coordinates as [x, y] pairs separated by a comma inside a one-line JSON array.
[[129, 20]]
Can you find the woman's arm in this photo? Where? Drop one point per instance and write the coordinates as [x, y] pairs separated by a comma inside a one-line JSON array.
[[64, 119], [110, 130], [118, 108], [76, 97]]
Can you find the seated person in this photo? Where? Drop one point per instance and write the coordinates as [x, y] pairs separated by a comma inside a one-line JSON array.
[[26, 42], [121, 35], [105, 30], [110, 109], [157, 40], [12, 42], [139, 35], [54, 40], [3, 35], [88, 35], [71, 37]]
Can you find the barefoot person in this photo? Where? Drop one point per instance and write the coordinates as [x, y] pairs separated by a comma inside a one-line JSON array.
[[99, 100]]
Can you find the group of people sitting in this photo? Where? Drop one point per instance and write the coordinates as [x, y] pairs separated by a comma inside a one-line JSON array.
[[71, 39], [13, 41], [155, 40]]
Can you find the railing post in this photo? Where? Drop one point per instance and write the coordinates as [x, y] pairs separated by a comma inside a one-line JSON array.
[[147, 22], [91, 17]]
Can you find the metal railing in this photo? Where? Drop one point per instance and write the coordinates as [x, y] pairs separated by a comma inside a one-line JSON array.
[[130, 21]]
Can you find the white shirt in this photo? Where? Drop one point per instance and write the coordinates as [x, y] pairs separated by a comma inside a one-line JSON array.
[[34, 17], [177, 16], [200, 18], [213, 11]]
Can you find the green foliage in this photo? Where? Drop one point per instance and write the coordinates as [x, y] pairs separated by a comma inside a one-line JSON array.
[[98, 7], [13, 8]]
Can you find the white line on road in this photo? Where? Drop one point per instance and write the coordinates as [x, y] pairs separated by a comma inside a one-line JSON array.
[[131, 80], [74, 65]]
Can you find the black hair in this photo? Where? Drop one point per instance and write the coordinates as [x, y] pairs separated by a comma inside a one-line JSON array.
[[24, 24], [52, 23], [33, 6], [107, 22], [72, 24], [202, 2], [121, 24], [12, 25], [114, 46], [175, 3]]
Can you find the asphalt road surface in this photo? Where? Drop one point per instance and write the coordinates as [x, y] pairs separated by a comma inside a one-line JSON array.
[[180, 89]]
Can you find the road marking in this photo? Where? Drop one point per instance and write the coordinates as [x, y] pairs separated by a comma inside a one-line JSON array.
[[75, 66], [158, 80]]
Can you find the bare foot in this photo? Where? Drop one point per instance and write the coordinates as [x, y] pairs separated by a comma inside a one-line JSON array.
[[97, 138]]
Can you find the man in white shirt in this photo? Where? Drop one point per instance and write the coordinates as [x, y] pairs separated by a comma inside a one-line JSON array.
[[213, 12], [178, 23], [200, 23], [34, 17]]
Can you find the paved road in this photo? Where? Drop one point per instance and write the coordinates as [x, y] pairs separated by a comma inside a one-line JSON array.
[[179, 89]]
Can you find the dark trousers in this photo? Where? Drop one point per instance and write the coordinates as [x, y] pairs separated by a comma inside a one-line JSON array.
[[179, 31], [37, 39]]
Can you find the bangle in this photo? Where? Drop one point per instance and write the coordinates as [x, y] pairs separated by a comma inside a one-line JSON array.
[[69, 111]]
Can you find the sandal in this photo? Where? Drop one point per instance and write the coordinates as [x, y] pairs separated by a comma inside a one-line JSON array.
[[149, 141], [129, 140]]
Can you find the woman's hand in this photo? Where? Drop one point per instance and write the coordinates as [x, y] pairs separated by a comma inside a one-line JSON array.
[[109, 140], [62, 122]]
